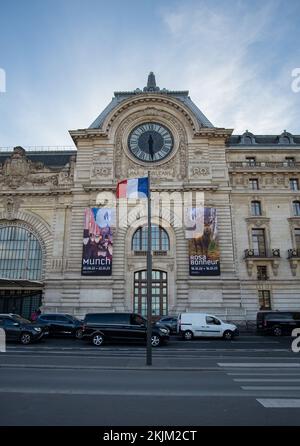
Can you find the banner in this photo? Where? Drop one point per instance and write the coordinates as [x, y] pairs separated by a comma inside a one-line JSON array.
[[97, 242], [204, 253]]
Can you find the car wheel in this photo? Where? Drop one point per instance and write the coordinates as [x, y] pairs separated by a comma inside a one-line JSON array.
[[155, 341], [228, 335], [25, 338], [277, 331], [97, 339], [188, 335], [78, 333]]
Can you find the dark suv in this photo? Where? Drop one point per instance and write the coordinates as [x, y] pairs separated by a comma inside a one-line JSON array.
[[120, 327], [19, 329], [169, 322], [277, 323], [61, 324]]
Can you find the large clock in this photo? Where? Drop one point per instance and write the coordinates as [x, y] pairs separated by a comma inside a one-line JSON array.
[[150, 142]]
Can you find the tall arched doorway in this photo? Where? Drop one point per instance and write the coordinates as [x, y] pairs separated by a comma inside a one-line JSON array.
[[21, 263], [159, 293]]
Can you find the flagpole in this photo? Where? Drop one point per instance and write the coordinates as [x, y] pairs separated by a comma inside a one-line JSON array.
[[149, 279]]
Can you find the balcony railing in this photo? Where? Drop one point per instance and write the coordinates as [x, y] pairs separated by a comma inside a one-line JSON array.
[[155, 253], [267, 254], [262, 276], [40, 149], [292, 253], [264, 164]]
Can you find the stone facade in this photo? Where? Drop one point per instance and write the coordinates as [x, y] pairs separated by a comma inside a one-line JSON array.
[[47, 192]]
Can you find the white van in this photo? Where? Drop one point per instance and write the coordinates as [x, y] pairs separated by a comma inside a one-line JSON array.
[[191, 325]]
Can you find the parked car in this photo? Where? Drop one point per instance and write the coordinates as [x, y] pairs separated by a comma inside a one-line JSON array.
[[120, 327], [61, 324], [192, 325], [21, 330], [169, 322], [277, 323]]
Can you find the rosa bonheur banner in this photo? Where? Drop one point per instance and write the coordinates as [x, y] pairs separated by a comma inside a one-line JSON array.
[[97, 242], [204, 251]]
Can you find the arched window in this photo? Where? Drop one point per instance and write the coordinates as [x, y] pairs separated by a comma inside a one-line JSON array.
[[20, 254], [160, 239], [247, 140], [159, 293], [296, 208], [255, 207]]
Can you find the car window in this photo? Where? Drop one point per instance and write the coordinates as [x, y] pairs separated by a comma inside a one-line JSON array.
[[10, 322], [48, 317], [136, 319], [100, 318], [279, 316], [21, 320], [62, 319], [94, 318], [212, 320]]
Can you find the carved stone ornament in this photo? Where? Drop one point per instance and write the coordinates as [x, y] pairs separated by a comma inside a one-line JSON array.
[[200, 171], [258, 221], [101, 171], [294, 265], [18, 170], [11, 207]]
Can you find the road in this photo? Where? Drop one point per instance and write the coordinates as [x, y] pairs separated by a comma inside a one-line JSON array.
[[252, 380]]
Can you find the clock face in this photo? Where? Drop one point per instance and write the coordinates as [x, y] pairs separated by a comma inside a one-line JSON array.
[[150, 142]]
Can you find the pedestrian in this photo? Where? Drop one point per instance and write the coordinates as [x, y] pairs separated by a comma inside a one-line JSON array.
[[34, 315]]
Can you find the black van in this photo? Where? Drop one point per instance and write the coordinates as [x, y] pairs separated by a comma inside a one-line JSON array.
[[277, 323], [120, 327]]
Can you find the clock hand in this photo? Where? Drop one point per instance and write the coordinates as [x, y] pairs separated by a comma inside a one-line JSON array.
[[150, 145]]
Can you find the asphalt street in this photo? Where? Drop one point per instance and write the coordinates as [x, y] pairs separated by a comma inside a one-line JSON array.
[[252, 380]]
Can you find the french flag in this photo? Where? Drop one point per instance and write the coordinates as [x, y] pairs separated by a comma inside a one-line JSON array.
[[133, 188]]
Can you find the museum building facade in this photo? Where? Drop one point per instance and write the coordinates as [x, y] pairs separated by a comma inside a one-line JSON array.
[[252, 181]]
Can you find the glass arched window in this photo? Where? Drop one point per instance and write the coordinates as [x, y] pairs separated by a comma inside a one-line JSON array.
[[20, 254], [160, 239], [296, 208], [255, 207]]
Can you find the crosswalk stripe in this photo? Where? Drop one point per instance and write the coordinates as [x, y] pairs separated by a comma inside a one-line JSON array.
[[266, 380], [270, 387], [279, 403], [259, 364], [263, 373]]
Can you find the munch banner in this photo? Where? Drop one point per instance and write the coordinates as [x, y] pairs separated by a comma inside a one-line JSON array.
[[97, 242], [204, 253]]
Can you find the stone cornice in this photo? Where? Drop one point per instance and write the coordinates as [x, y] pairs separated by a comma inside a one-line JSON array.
[[164, 188], [213, 132], [150, 99], [87, 134], [261, 219], [39, 193]]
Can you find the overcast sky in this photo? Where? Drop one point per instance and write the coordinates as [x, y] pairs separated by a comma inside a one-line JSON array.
[[64, 59]]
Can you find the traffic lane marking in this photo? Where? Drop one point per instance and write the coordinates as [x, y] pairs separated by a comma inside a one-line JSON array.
[[279, 403]]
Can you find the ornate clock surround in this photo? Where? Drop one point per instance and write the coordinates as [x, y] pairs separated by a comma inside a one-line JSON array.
[[125, 162]]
